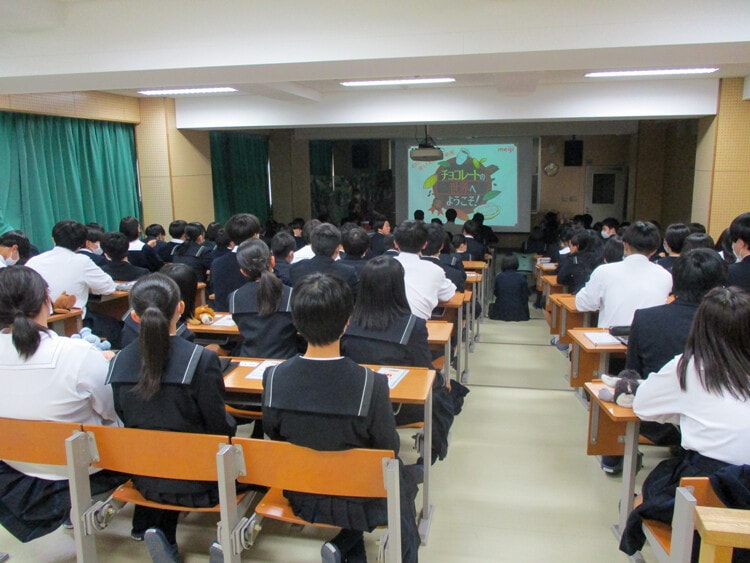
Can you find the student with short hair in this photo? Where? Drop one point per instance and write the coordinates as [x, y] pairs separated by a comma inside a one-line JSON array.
[[474, 246], [156, 238], [610, 227], [139, 253], [282, 248], [325, 401], [177, 237], [356, 243], [613, 251], [306, 251], [739, 234], [674, 238], [382, 228], [450, 225], [193, 252], [164, 382], [115, 246], [325, 241], [262, 307], [225, 271], [45, 377], [93, 247], [14, 248], [586, 254], [451, 264], [511, 292], [706, 390]]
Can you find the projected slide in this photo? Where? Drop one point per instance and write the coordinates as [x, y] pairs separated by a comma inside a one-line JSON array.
[[470, 179]]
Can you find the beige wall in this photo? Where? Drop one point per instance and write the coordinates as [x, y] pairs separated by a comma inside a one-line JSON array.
[[730, 192], [290, 175], [175, 167], [84, 105]]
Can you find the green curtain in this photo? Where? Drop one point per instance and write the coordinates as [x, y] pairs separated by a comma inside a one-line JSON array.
[[55, 168], [239, 165], [321, 158]]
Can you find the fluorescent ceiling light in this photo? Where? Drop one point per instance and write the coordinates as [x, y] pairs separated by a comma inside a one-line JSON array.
[[656, 72], [399, 82], [184, 91]]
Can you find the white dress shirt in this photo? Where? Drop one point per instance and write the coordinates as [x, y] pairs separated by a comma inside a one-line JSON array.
[[303, 254], [616, 290], [63, 381], [717, 426], [76, 274], [426, 284]]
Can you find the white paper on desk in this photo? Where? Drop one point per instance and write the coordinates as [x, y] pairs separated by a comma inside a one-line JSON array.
[[601, 338], [394, 375], [257, 373], [226, 320]]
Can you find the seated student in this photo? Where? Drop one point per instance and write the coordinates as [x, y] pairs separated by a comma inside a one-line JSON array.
[[262, 307], [44, 377], [698, 240], [177, 235], [212, 231], [389, 244], [92, 247], [156, 239], [381, 227], [511, 292], [282, 248], [610, 227], [306, 251], [383, 331], [187, 281], [296, 229], [225, 272], [450, 225], [739, 234], [724, 247], [222, 244], [614, 250], [139, 253], [14, 248], [707, 391], [486, 235], [674, 238], [459, 244], [452, 264], [193, 253], [158, 385], [474, 246], [356, 243], [325, 241], [586, 254], [327, 402], [115, 246]]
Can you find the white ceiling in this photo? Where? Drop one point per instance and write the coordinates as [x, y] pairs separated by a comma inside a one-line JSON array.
[[513, 60]]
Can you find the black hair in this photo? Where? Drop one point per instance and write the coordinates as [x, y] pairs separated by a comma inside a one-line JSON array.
[[356, 241], [450, 214], [177, 228], [69, 234], [321, 306], [254, 258], [697, 228], [382, 295], [478, 218], [241, 227], [129, 226], [613, 250], [419, 215], [308, 228], [739, 229], [675, 236], [587, 220], [17, 238], [187, 280], [611, 223], [436, 237], [471, 227], [155, 230], [379, 221], [325, 240], [282, 244], [212, 230], [697, 271], [154, 299], [458, 240], [698, 240], [389, 241], [436, 221], [724, 245], [93, 234], [23, 293], [509, 262], [115, 245], [411, 236], [642, 237], [719, 343], [297, 223]]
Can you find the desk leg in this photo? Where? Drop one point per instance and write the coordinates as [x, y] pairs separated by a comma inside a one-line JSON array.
[[628, 476], [474, 321], [425, 518], [447, 366], [459, 342], [467, 340]]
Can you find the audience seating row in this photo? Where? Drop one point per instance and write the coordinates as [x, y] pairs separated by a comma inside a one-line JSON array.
[[175, 455]]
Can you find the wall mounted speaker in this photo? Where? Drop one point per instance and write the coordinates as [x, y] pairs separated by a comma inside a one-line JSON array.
[[573, 153]]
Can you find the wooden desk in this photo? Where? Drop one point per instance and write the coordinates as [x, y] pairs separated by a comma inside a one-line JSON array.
[[615, 433], [550, 286], [66, 324], [543, 269], [572, 317], [414, 388], [479, 267], [721, 530], [474, 279], [554, 314], [116, 304], [588, 361]]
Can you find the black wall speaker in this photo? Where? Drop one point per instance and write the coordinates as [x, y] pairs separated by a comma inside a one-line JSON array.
[[573, 153]]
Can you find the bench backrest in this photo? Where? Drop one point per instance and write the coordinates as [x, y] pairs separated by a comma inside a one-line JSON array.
[[35, 441]]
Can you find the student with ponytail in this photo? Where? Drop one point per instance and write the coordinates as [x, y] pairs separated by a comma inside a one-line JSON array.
[[262, 307], [44, 377], [163, 382]]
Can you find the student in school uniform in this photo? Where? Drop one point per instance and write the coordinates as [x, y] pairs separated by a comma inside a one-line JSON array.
[[739, 234], [586, 254], [282, 248], [356, 243], [262, 307], [325, 401], [474, 246], [115, 246], [139, 253], [177, 235], [674, 238], [452, 265], [325, 240], [156, 238], [511, 292], [225, 271], [187, 281], [164, 382], [381, 227], [93, 247], [45, 377], [193, 252], [14, 248], [306, 252]]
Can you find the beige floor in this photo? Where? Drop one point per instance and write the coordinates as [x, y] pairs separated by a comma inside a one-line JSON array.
[[516, 486]]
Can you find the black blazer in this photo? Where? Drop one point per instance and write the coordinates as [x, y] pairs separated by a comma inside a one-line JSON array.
[[511, 297], [226, 277], [324, 265], [739, 274]]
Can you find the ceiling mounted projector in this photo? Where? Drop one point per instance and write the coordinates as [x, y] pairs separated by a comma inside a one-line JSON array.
[[426, 151]]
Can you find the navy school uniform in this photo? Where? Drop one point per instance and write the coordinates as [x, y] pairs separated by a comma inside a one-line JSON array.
[[356, 262], [281, 269], [146, 257], [97, 259], [195, 255], [225, 278], [511, 297], [452, 272], [131, 329], [124, 271]]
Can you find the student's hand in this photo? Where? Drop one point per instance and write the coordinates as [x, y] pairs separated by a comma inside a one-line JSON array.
[[152, 243], [108, 354]]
